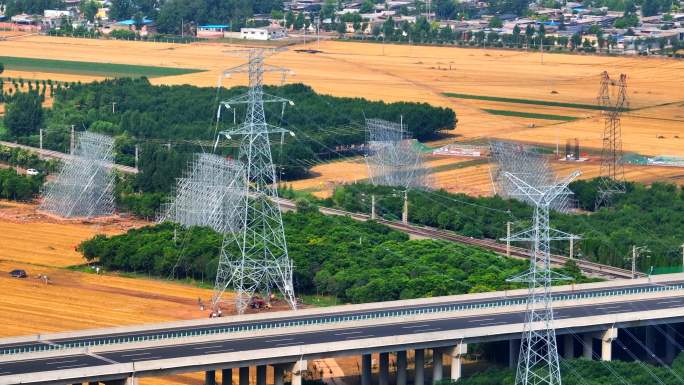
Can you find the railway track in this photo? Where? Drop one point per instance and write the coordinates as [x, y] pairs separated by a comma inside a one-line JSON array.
[[587, 267]]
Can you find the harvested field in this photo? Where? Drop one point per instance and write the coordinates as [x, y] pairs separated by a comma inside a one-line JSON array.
[[33, 238], [416, 74], [74, 299], [327, 175]]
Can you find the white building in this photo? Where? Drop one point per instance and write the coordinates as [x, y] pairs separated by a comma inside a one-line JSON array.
[[263, 33]]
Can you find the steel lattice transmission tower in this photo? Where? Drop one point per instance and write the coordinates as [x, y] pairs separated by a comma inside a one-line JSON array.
[[262, 261], [538, 361], [209, 194], [612, 174], [532, 167], [392, 157], [84, 185]]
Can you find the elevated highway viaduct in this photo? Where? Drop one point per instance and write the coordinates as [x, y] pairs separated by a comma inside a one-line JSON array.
[[589, 317]]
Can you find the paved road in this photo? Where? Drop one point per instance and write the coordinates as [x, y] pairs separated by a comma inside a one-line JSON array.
[[61, 156], [273, 318], [226, 344]]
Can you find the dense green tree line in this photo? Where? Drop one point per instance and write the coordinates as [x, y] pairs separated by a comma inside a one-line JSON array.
[[19, 187], [651, 216], [587, 372], [135, 111], [355, 261], [26, 159]]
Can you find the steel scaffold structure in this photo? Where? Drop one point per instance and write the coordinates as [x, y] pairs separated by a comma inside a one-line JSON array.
[[84, 185], [210, 194], [538, 359], [532, 167], [612, 172], [392, 157], [262, 261]]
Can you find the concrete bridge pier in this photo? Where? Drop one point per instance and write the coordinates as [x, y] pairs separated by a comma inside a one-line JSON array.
[[227, 376], [587, 346], [437, 365], [123, 381], [298, 370], [650, 342], [401, 367], [366, 369], [383, 366], [278, 372], [670, 351], [243, 374], [456, 354], [568, 346], [419, 373], [210, 377], [513, 352], [261, 375], [607, 344]]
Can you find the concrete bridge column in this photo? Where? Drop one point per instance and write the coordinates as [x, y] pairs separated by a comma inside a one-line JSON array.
[[670, 351], [298, 370], [227, 376], [383, 373], [437, 365], [261, 375], [650, 341], [587, 346], [513, 352], [419, 373], [366, 369], [568, 346], [456, 354], [278, 372], [243, 373], [210, 377], [607, 344], [401, 367], [122, 381]]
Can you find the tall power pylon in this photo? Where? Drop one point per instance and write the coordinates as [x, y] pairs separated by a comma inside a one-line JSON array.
[[261, 261], [538, 360], [612, 174]]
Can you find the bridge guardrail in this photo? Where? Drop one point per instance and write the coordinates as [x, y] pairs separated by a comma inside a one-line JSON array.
[[330, 320]]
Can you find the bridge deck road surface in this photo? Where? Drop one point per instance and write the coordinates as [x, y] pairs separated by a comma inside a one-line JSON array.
[[224, 345], [273, 318]]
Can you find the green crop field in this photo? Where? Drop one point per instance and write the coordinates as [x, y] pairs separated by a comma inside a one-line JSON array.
[[531, 115], [526, 101], [108, 70]]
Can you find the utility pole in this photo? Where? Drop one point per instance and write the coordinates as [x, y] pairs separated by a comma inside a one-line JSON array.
[[40, 133], [508, 239], [318, 32], [136, 156], [636, 253], [113, 108], [72, 140], [572, 245], [404, 212], [373, 206], [682, 257]]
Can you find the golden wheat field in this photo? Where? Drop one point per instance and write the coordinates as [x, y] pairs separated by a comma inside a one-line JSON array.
[[423, 74], [73, 300]]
